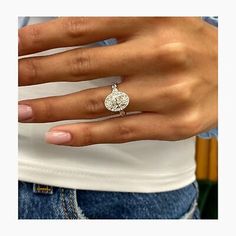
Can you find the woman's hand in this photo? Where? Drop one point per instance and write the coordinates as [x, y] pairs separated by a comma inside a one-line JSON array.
[[168, 68]]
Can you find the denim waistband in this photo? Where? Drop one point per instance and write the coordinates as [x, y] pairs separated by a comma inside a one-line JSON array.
[[48, 202]]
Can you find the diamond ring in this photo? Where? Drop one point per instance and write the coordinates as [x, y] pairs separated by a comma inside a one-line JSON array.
[[116, 101]]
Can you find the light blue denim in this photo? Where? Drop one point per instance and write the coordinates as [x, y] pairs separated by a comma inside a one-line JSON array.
[[63, 203], [22, 21]]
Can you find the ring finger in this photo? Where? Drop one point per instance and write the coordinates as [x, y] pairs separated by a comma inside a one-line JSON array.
[[86, 104]]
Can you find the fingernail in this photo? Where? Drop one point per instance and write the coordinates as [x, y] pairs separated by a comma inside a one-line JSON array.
[[24, 112], [57, 137]]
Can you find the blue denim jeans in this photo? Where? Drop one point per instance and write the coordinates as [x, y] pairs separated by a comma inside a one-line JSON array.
[[46, 202]]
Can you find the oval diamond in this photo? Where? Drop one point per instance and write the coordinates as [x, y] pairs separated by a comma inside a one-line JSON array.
[[116, 101]]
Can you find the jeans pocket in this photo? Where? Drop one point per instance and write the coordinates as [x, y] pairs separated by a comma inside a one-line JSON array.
[[176, 204], [193, 212]]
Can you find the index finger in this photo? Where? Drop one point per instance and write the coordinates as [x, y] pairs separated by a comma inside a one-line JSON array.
[[70, 31]]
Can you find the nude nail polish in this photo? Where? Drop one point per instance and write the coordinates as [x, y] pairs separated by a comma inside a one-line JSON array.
[[24, 112], [57, 137]]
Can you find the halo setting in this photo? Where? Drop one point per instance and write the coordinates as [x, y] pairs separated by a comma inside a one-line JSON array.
[[116, 100]]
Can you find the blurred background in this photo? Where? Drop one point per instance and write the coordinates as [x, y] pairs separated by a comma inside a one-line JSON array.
[[207, 176]]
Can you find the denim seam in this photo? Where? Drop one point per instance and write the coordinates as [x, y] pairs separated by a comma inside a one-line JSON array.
[[79, 211], [71, 205], [195, 184], [190, 213], [62, 195]]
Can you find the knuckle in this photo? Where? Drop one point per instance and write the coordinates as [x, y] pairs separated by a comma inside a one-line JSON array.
[[34, 69], [80, 64], [34, 33], [75, 26], [177, 54], [180, 53], [87, 136], [42, 110], [124, 132], [188, 126], [94, 105], [180, 93], [45, 113], [28, 71], [193, 124]]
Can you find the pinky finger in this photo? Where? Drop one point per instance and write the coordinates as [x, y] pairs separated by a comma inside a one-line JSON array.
[[143, 126]]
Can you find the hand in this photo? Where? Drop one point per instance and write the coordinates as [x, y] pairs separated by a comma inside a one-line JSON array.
[[168, 68]]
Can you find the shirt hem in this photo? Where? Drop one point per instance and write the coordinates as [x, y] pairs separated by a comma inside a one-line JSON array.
[[86, 180]]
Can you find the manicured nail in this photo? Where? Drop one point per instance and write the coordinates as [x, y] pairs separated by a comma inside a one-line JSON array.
[[57, 137], [24, 112]]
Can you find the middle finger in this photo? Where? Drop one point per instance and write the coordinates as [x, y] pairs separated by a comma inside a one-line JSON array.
[[79, 64]]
